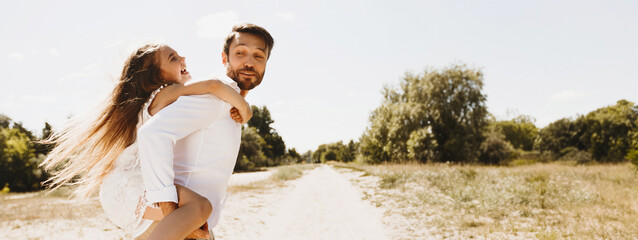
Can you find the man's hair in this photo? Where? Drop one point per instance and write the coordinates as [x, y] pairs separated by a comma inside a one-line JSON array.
[[252, 29]]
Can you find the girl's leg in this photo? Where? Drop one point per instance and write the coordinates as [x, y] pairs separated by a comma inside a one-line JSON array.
[[193, 211], [148, 231]]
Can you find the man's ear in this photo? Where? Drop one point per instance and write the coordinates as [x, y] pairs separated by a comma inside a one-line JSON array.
[[224, 58]]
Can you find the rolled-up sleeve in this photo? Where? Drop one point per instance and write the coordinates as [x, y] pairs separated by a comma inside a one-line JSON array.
[[156, 141]]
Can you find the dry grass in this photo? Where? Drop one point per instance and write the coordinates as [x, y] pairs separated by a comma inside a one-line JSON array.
[[53, 216], [258, 186], [40, 205], [544, 201], [290, 172], [277, 179]]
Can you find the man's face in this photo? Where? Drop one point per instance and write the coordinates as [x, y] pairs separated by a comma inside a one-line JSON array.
[[246, 60]]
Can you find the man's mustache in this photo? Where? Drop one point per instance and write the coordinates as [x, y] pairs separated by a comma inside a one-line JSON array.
[[248, 69]]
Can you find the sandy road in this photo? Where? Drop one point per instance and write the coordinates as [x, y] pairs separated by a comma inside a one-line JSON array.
[[322, 204]]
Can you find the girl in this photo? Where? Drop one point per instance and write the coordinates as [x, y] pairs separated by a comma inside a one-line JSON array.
[[102, 150]]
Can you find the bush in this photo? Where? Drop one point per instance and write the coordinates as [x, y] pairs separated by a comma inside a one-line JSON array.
[[573, 154], [633, 156], [290, 172], [495, 150], [547, 156]]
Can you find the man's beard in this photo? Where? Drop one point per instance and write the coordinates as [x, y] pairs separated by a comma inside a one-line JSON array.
[[244, 84]]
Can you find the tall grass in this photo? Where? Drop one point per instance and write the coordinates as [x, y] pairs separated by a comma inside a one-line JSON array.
[[290, 172], [546, 201], [45, 205]]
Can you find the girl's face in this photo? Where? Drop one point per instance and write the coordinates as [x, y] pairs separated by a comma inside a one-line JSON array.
[[172, 66]]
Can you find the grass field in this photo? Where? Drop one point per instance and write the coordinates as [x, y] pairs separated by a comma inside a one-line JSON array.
[[541, 201], [435, 201]]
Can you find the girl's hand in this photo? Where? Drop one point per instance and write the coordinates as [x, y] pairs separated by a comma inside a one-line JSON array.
[[234, 114], [241, 115]]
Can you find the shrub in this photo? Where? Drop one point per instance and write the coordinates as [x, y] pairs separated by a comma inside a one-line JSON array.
[[494, 149], [633, 156], [289, 172], [573, 154]]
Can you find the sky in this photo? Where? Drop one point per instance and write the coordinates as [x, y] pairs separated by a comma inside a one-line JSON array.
[[545, 59]]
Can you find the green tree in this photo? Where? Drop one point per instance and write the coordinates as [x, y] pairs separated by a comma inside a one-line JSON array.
[[318, 156], [606, 134], [275, 148], [457, 112], [250, 155], [261, 120], [520, 132], [632, 154], [421, 145], [43, 148], [495, 149], [18, 126], [307, 157], [347, 153], [4, 121], [293, 156], [607, 131], [557, 136], [18, 162], [374, 141], [336, 151], [445, 107]]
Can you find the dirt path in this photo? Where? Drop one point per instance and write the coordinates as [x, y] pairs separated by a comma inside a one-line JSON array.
[[322, 204]]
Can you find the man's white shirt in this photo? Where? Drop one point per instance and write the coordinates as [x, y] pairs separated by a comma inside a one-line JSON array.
[[192, 142]]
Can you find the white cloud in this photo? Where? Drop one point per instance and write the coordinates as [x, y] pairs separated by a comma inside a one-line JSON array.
[[216, 25], [53, 51], [568, 95], [17, 56], [288, 16]]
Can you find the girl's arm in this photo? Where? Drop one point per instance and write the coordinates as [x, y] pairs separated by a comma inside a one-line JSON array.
[[169, 94]]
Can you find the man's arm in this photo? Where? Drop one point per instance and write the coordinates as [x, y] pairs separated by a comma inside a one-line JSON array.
[[156, 141]]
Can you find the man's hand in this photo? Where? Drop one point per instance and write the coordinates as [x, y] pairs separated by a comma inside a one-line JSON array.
[[234, 114]]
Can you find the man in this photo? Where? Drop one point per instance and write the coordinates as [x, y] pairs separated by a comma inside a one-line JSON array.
[[194, 142]]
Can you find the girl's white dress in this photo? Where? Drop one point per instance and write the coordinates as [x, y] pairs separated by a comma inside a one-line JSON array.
[[122, 191]]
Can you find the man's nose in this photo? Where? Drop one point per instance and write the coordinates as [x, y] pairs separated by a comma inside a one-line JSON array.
[[250, 62]]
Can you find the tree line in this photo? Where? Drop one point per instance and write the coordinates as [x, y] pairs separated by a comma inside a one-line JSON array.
[[20, 155], [440, 116], [261, 145], [21, 151]]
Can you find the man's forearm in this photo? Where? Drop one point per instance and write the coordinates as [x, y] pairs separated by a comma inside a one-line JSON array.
[[156, 161]]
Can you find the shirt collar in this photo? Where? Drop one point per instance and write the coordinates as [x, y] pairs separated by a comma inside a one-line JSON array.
[[230, 82]]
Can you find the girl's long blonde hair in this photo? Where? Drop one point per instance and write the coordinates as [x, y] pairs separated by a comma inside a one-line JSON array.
[[86, 149]]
